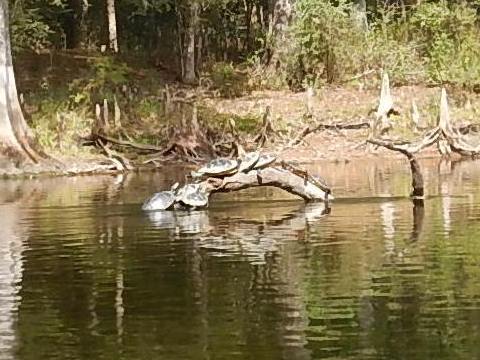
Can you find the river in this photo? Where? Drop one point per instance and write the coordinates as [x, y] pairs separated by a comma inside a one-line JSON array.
[[85, 274]]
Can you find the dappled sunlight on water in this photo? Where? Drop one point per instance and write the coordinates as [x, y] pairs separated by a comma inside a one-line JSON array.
[[85, 273]]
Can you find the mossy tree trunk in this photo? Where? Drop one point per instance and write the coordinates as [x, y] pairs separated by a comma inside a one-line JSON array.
[[16, 140]]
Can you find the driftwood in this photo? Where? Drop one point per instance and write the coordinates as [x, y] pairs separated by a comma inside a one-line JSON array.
[[134, 145], [120, 162], [306, 188], [272, 176]]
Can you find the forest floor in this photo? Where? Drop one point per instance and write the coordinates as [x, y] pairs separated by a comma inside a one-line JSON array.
[[347, 105], [64, 86]]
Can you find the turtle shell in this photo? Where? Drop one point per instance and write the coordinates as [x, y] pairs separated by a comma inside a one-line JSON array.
[[264, 161], [159, 201], [191, 195], [220, 166], [320, 182], [248, 161], [196, 199]]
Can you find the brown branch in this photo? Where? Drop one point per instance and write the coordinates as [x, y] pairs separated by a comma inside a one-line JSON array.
[[417, 177], [131, 144], [120, 161], [321, 127], [409, 147]]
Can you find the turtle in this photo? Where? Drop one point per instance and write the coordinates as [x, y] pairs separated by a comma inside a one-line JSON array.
[[162, 200], [248, 161], [320, 182], [315, 180], [192, 195], [264, 160], [218, 167]]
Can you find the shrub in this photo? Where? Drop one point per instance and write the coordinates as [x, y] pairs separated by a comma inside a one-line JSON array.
[[449, 36], [328, 42], [436, 41]]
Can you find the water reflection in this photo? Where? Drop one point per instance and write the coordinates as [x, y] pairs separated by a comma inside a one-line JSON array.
[[11, 267], [85, 273], [252, 237]]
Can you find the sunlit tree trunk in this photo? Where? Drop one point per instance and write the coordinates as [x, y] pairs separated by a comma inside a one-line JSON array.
[[279, 21], [112, 26], [189, 76], [360, 15], [15, 137]]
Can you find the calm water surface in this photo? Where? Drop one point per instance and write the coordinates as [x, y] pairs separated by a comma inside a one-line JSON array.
[[85, 274]]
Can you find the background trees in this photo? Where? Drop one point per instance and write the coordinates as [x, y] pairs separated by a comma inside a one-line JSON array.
[[231, 47]]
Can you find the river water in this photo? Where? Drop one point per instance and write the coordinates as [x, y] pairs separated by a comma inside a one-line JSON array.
[[85, 274]]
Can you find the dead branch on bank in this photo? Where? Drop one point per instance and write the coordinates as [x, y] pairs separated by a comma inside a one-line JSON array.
[[321, 127], [131, 144], [120, 162]]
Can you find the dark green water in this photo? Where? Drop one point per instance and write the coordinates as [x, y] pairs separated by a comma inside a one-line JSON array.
[[84, 274]]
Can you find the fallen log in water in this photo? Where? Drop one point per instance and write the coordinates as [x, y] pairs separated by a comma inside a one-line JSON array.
[[272, 176], [196, 195]]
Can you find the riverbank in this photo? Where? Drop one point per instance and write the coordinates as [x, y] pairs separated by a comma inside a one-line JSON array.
[[59, 93]]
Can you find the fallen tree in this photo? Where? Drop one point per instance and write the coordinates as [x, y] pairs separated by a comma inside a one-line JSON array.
[[272, 176], [197, 194]]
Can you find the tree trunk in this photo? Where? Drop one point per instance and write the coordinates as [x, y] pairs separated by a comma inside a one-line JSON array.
[[359, 15], [279, 21], [15, 137], [189, 76], [248, 25], [112, 26], [74, 25]]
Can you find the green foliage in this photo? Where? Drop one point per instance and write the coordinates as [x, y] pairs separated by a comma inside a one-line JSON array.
[[108, 75], [449, 36], [435, 41], [326, 38], [149, 108], [57, 128], [246, 123], [29, 31]]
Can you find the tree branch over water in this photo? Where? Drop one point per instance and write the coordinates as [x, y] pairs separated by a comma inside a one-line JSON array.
[[272, 176]]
